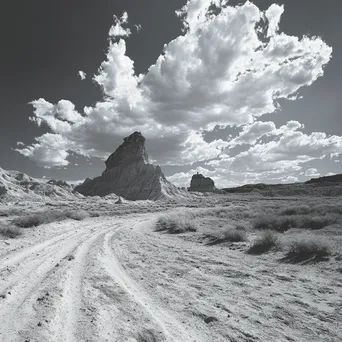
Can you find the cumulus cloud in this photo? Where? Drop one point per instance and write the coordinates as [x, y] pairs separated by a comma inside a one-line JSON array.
[[312, 172], [49, 150], [290, 179], [228, 68], [289, 149], [82, 74], [252, 132], [118, 30]]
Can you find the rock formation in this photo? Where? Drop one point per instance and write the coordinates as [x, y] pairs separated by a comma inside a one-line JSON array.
[[202, 184], [60, 183], [129, 174], [15, 184]]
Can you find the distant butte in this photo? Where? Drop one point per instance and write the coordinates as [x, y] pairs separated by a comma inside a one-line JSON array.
[[129, 174]]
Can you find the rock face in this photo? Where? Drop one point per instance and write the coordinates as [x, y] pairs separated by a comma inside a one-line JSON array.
[[15, 184], [129, 174], [202, 184], [60, 183]]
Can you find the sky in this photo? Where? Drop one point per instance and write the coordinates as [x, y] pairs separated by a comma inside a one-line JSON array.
[[243, 92]]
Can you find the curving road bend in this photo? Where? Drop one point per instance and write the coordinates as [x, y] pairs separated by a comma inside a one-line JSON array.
[[71, 287]]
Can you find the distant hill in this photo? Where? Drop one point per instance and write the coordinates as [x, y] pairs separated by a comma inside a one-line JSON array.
[[311, 188], [326, 179], [18, 185]]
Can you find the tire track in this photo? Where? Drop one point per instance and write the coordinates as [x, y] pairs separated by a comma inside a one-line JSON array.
[[64, 326], [16, 307], [172, 329]]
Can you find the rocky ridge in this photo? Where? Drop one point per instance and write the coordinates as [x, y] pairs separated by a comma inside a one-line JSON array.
[[129, 174], [15, 184]]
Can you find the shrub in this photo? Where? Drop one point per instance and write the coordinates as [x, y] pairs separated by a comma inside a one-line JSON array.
[[10, 232], [28, 221], [264, 244], [302, 209], [37, 219], [233, 235], [175, 223], [284, 223], [308, 248], [77, 215], [279, 224]]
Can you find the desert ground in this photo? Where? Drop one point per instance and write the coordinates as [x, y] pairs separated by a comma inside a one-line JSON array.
[[211, 268]]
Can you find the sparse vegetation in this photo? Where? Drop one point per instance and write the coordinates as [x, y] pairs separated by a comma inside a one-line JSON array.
[[175, 223], [234, 235], [264, 243], [77, 215], [308, 248], [10, 231], [284, 223], [36, 219]]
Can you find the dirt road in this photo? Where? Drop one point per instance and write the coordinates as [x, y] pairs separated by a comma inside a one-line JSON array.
[[115, 279], [71, 287]]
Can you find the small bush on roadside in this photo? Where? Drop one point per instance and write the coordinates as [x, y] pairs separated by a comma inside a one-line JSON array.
[[10, 232], [77, 215], [175, 223], [308, 248], [29, 221], [264, 244], [36, 219]]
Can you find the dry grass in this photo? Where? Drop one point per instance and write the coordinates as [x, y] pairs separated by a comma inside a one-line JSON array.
[[36, 219], [264, 243], [10, 232], [233, 235], [284, 223], [175, 223], [309, 248]]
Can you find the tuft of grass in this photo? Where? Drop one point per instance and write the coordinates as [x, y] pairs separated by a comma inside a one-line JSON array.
[[175, 223], [10, 232], [298, 210], [233, 235], [264, 243], [37, 219], [77, 215], [309, 248], [272, 222], [29, 221], [284, 223]]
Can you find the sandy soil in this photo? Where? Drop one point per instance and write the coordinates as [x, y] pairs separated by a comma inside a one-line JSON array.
[[116, 279]]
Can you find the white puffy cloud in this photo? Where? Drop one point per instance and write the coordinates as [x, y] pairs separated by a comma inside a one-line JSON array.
[[82, 74], [252, 132], [312, 172], [49, 150], [329, 174], [290, 179], [273, 14], [284, 156], [229, 67], [117, 30]]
